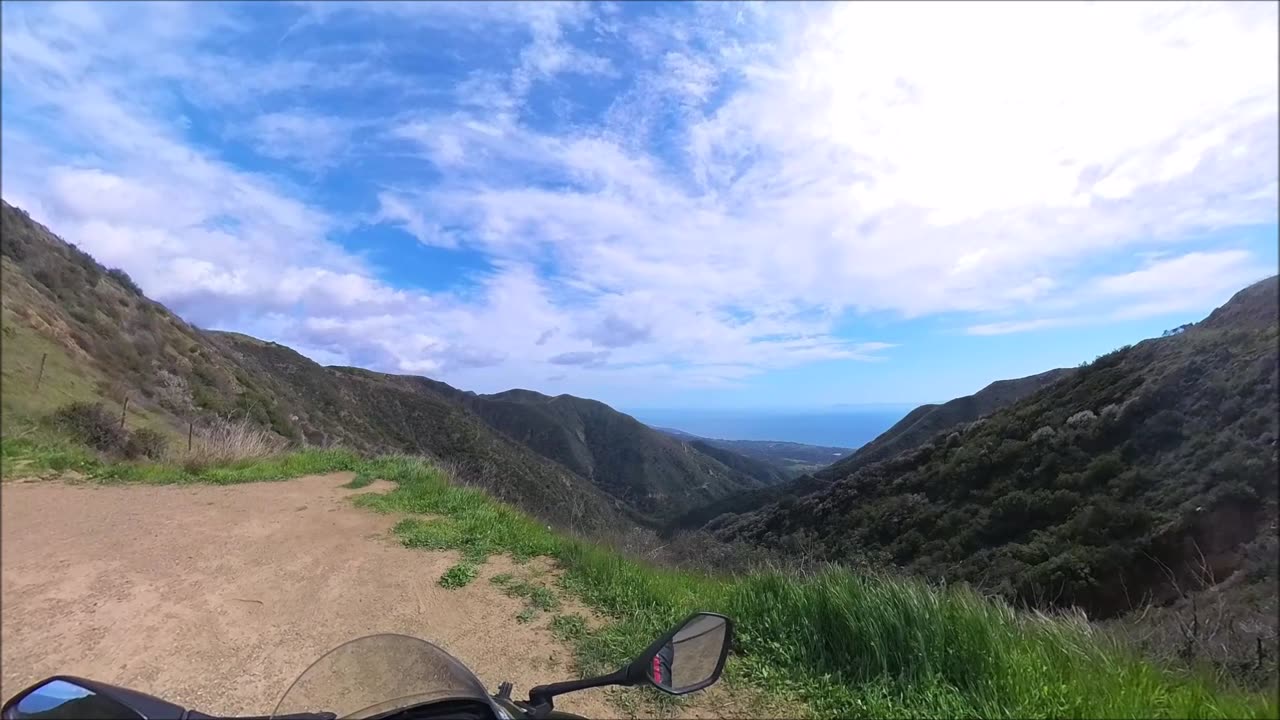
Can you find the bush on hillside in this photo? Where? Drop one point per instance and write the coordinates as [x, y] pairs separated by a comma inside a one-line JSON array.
[[145, 443], [125, 281], [91, 424]]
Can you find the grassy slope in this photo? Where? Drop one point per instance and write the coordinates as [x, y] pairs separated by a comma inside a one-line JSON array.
[[65, 379], [833, 643]]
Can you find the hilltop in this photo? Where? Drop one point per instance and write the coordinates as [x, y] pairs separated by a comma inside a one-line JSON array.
[[571, 461], [922, 423]]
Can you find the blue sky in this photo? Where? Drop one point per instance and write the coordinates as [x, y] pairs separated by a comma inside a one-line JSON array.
[[659, 205]]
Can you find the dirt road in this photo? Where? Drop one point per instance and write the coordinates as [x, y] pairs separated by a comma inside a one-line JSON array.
[[218, 597]]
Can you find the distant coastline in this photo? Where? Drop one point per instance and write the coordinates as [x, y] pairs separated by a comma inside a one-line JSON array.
[[846, 426]]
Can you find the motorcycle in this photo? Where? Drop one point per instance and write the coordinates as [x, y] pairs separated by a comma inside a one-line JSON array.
[[397, 677]]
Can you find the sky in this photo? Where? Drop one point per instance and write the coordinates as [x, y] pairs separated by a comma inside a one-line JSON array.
[[720, 205]]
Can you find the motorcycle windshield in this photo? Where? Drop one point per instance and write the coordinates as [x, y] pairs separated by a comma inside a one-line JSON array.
[[379, 674]]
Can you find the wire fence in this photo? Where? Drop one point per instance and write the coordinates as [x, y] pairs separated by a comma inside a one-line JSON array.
[[124, 404]]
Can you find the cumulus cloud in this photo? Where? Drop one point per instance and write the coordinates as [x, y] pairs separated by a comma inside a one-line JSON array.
[[687, 194]]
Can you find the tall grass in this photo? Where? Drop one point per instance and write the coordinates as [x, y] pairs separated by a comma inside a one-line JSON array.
[[226, 442], [830, 642], [840, 643], [28, 454]]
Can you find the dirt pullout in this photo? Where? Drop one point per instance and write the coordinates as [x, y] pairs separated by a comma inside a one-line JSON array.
[[217, 598]]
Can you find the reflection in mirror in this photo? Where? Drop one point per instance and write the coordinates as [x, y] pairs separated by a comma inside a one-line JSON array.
[[692, 655], [59, 699]]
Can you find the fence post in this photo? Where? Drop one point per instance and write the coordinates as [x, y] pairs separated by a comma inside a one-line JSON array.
[[191, 428], [123, 411], [43, 357]]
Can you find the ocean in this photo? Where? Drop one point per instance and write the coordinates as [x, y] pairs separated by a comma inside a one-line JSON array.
[[848, 428]]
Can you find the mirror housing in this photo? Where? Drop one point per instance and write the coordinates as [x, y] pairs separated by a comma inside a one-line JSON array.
[[711, 635], [91, 699], [691, 654]]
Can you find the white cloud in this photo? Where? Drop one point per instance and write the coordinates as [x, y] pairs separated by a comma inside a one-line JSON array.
[[1188, 282], [398, 211], [315, 142], [1166, 285], [763, 175], [1019, 326]]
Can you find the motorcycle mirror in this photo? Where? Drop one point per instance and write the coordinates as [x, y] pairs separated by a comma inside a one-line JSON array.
[[57, 698], [687, 658]]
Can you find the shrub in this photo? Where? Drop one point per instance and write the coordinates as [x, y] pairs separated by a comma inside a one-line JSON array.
[[1044, 433], [125, 281], [145, 443], [1084, 417], [91, 424]]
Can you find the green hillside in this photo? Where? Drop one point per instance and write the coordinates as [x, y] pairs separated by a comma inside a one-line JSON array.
[[653, 472], [1149, 471]]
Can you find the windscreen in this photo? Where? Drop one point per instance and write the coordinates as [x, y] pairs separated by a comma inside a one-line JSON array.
[[377, 674]]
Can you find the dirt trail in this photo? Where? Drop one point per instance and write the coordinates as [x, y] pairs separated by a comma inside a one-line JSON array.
[[218, 597]]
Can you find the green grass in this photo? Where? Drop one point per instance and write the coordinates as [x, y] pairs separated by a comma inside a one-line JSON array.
[[65, 379], [43, 452], [829, 643], [538, 598], [459, 575], [35, 453]]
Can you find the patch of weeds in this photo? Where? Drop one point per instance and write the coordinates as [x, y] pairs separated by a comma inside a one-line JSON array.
[[459, 575], [569, 628], [537, 598], [359, 481]]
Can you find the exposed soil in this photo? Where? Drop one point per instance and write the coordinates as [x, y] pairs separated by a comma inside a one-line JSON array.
[[217, 598]]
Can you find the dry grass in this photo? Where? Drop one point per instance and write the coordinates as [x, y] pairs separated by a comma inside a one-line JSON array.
[[221, 442]]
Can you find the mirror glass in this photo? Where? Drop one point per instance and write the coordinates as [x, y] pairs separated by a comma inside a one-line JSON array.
[[62, 699], [692, 655]]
